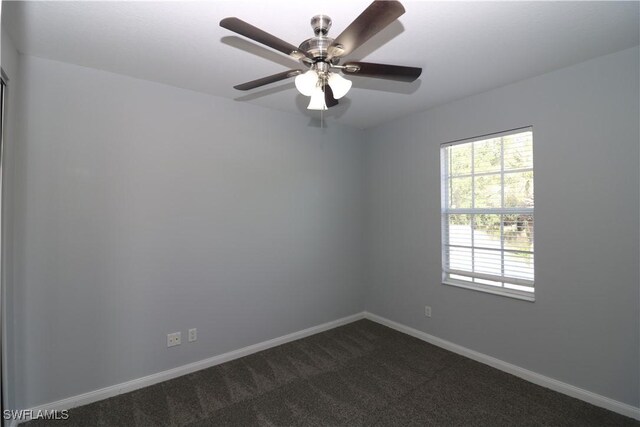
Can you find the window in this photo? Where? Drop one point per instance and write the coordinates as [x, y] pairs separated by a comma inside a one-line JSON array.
[[487, 213]]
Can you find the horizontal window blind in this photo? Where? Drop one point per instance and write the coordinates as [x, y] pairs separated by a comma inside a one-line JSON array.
[[488, 212]]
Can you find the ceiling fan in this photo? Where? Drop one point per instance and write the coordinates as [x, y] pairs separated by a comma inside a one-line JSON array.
[[322, 54]]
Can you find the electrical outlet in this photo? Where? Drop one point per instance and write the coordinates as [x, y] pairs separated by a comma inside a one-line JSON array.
[[173, 339], [193, 335], [427, 310]]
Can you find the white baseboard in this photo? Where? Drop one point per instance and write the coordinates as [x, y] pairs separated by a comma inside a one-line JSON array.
[[114, 390], [104, 393], [544, 381]]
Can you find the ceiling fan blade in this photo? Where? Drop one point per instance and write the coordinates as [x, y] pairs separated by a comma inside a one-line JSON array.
[[269, 79], [382, 71], [256, 34], [372, 20], [329, 100]]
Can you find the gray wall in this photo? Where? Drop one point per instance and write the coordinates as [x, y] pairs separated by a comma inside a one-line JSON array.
[[139, 209], [9, 58], [145, 209], [584, 326]]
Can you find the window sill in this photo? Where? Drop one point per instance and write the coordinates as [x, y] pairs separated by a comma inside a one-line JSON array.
[[524, 296]]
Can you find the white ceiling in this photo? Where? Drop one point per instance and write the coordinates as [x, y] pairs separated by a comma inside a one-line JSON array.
[[463, 47]]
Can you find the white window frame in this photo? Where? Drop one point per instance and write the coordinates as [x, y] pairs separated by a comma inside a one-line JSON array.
[[444, 180]]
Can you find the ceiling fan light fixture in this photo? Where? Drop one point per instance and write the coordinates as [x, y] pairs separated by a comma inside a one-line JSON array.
[[317, 100], [339, 85], [306, 83]]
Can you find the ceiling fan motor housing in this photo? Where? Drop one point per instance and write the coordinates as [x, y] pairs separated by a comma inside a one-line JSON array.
[[317, 46]]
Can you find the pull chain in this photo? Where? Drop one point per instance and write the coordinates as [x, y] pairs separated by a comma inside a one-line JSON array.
[[322, 110]]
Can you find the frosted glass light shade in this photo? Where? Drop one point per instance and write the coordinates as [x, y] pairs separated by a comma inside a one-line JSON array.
[[306, 82], [339, 85], [317, 100]]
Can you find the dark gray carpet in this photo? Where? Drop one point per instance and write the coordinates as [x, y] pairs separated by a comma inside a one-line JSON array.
[[361, 374]]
